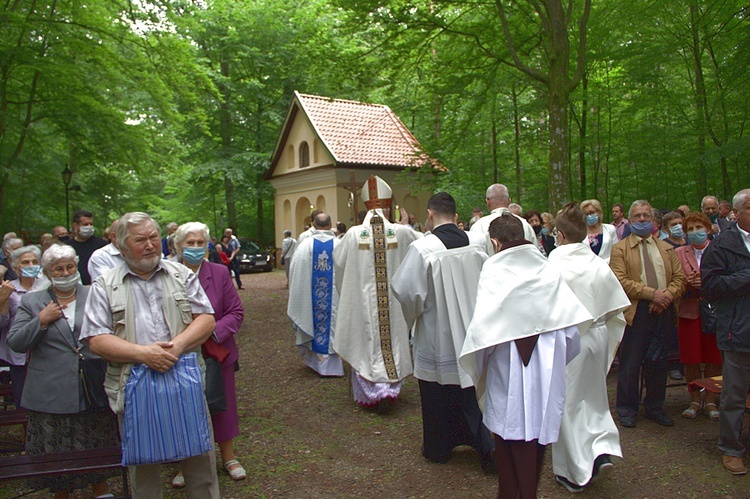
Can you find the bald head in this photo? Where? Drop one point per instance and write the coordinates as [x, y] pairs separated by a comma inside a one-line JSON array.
[[497, 196]]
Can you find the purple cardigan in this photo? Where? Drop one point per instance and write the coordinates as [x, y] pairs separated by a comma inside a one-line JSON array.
[[228, 311]]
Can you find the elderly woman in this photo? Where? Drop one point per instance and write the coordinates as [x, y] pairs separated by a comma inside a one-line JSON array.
[[191, 245], [547, 234], [25, 262], [696, 344], [600, 237], [47, 325], [671, 223]]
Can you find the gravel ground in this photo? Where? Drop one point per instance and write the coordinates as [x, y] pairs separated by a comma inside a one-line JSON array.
[[304, 437]]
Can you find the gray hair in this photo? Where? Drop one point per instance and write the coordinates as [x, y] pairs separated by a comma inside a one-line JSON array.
[[497, 194], [705, 198], [18, 253], [287, 233], [190, 228], [11, 241], [637, 203], [172, 225], [740, 198], [123, 226], [516, 206], [58, 252]]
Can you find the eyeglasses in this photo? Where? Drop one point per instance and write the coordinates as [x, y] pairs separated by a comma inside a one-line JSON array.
[[646, 217], [58, 270]]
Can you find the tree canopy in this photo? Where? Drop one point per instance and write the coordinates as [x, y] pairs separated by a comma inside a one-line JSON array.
[[173, 107]]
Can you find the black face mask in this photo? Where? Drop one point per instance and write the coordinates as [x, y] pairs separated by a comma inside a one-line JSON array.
[[62, 239], [537, 229]]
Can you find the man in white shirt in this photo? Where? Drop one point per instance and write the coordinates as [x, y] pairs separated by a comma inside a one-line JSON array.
[[436, 285], [498, 200], [107, 257]]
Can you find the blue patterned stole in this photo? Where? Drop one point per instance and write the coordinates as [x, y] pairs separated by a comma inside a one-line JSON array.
[[322, 294]]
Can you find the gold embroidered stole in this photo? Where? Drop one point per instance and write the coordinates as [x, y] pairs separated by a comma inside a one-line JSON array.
[[381, 283]]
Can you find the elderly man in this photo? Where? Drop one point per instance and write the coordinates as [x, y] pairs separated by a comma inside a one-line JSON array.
[[652, 277], [6, 269], [524, 330], [371, 332], [84, 242], [436, 285], [710, 208], [149, 311], [313, 299], [498, 200], [725, 275], [61, 234], [107, 257]]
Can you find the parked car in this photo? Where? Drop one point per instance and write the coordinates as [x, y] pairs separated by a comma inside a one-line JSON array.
[[253, 259]]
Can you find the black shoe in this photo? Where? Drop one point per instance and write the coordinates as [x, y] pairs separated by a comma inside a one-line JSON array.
[[568, 484], [384, 406], [627, 421], [602, 466], [660, 418]]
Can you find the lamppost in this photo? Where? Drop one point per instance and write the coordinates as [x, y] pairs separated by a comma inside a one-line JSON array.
[[67, 175]]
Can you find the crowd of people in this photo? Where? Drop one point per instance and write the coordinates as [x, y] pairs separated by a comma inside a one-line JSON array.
[[509, 322], [79, 316]]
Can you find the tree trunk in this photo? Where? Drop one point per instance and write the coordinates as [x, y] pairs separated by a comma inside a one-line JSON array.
[[582, 140], [225, 130], [700, 94], [516, 141]]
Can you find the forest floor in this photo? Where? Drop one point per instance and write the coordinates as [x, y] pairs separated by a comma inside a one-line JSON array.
[[302, 436]]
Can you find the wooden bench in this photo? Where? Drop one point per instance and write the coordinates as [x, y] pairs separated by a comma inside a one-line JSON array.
[[16, 467]]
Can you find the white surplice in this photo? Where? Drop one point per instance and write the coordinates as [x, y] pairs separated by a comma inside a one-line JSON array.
[[588, 429], [521, 295], [437, 290], [357, 335], [300, 305]]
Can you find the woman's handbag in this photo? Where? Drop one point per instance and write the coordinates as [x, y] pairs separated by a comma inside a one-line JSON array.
[[92, 372], [165, 416], [216, 396]]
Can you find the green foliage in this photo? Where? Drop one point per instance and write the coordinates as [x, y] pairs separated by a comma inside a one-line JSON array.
[[175, 106]]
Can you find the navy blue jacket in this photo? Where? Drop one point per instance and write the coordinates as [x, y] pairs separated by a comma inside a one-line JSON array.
[[725, 276]]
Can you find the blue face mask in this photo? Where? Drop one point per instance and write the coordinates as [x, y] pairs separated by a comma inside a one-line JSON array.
[[592, 219], [697, 237], [642, 229], [30, 271], [545, 231], [193, 256], [676, 231]]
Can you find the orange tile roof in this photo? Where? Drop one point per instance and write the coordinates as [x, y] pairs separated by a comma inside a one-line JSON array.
[[365, 134]]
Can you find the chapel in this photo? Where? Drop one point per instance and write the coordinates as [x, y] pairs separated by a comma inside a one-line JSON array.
[[326, 151]]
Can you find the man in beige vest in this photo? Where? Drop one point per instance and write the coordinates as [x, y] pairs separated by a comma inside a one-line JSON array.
[[149, 311]]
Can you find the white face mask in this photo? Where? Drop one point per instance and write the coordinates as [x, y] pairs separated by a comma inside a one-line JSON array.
[[65, 283], [86, 231]]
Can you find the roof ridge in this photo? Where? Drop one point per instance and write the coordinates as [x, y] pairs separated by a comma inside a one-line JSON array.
[[335, 99]]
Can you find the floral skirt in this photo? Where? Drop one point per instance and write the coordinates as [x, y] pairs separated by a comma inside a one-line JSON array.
[[52, 433]]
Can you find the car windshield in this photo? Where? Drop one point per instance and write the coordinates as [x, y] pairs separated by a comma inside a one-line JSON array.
[[249, 247]]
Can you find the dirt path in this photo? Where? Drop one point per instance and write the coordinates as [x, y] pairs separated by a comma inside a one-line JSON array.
[[304, 437]]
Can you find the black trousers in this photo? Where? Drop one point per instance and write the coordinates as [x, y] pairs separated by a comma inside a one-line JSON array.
[[645, 343], [451, 417]]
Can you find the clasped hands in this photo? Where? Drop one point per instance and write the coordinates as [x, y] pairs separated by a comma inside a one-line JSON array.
[[659, 302], [161, 355]]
